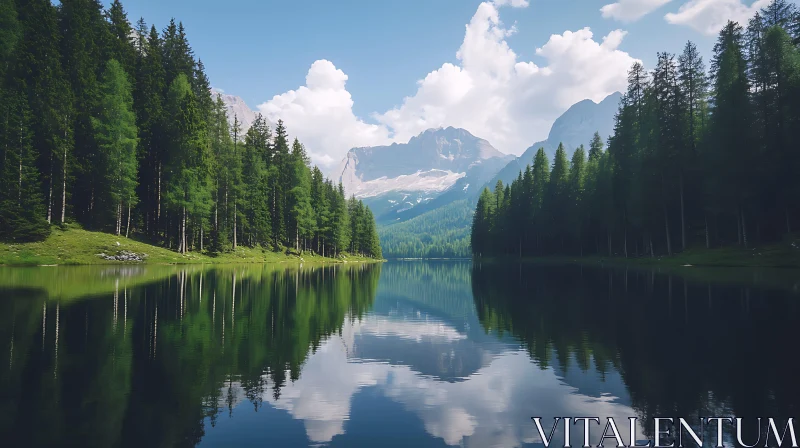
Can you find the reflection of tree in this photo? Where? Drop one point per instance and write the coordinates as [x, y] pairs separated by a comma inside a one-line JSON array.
[[682, 348], [161, 356]]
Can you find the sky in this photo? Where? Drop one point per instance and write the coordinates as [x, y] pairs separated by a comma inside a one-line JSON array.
[[351, 73]]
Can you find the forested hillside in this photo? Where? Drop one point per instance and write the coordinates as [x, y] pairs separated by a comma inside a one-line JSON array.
[[115, 127], [696, 158], [440, 233]]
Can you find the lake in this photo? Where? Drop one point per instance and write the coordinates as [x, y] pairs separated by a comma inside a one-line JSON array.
[[405, 353]]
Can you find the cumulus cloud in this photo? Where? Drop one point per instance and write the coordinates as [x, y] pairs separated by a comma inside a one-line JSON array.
[[321, 115], [489, 91], [710, 16], [509, 102], [513, 3], [631, 10]]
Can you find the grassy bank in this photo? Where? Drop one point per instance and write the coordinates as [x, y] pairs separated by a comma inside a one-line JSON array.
[[74, 246]]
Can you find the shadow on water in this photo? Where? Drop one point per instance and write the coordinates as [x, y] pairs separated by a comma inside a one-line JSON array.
[[712, 343]]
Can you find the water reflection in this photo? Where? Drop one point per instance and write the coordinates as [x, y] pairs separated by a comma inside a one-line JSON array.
[[430, 354]]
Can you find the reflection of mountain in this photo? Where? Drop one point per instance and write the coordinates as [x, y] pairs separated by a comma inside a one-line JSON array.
[[491, 407], [427, 354]]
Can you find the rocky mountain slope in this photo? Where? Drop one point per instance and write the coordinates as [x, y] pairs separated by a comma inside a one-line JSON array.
[[435, 168], [236, 107]]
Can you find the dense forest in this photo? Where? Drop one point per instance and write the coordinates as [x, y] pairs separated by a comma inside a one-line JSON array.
[[696, 159], [114, 127], [440, 233]]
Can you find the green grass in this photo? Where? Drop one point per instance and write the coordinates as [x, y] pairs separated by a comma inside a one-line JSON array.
[[75, 246]]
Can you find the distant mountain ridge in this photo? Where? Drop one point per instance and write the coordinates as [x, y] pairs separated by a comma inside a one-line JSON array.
[[236, 107], [573, 128], [434, 168]]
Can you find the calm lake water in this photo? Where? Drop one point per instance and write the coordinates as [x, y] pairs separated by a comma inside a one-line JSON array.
[[420, 354]]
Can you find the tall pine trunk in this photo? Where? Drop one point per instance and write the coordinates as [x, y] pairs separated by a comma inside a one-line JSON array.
[[128, 225], [64, 182], [50, 192], [158, 200], [234, 222], [118, 219]]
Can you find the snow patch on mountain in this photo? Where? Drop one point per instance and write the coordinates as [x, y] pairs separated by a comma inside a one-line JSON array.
[[431, 181]]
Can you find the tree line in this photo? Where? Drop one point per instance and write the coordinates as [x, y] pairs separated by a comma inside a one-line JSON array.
[[115, 127], [439, 233], [697, 158]]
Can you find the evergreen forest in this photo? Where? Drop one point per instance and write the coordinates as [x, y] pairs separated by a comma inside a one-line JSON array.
[[698, 158], [113, 127]]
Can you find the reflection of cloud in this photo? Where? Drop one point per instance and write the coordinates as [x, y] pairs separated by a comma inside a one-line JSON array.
[[492, 407], [414, 330]]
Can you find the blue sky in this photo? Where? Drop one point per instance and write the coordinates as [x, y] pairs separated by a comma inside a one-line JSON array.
[[260, 49]]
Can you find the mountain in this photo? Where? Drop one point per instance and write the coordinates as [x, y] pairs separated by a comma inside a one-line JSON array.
[[237, 107], [433, 169], [573, 128]]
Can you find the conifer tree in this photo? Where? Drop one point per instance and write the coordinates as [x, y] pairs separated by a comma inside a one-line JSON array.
[[302, 214], [116, 135], [121, 45], [255, 211], [188, 178], [22, 211]]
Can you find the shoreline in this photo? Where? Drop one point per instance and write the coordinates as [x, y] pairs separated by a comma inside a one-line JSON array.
[[78, 247], [772, 256]]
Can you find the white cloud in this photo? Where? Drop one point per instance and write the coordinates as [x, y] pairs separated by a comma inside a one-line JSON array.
[[513, 3], [509, 102], [489, 92], [321, 115], [491, 407], [631, 10], [710, 16]]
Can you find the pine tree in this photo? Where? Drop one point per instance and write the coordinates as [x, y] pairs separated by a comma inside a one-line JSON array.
[[188, 178], [320, 204], [39, 74], [22, 214], [730, 129], [557, 196], [576, 193], [149, 107], [116, 135], [541, 179], [301, 212], [121, 44], [280, 181], [341, 235], [85, 39], [255, 202]]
